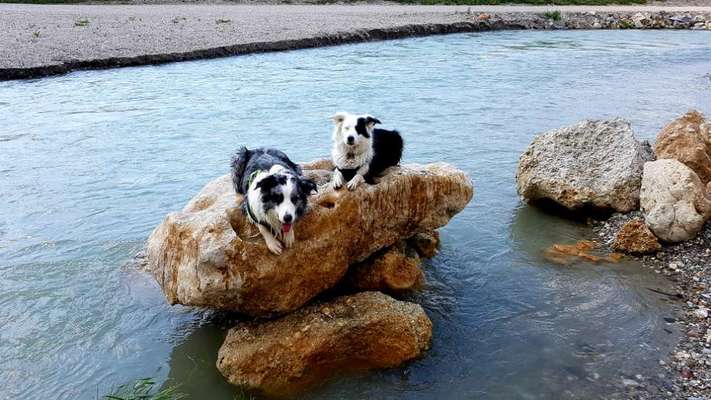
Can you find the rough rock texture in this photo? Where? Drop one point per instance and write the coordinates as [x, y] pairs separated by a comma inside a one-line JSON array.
[[673, 200], [687, 139], [392, 271], [198, 260], [426, 244], [592, 164], [636, 238], [358, 332]]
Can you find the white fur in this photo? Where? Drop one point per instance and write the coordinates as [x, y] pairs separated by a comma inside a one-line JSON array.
[[275, 216], [361, 150]]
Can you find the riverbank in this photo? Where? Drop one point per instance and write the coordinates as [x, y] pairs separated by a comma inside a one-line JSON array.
[[687, 265], [42, 40]]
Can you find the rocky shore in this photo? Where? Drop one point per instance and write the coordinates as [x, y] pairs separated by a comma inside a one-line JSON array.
[[668, 229], [41, 40]]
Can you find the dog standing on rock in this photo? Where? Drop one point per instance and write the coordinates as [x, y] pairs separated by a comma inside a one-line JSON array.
[[275, 193], [360, 151]]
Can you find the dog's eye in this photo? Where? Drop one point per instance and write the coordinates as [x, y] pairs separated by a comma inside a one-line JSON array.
[[294, 199], [278, 198]]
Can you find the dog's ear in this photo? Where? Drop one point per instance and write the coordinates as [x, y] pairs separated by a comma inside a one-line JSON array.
[[267, 183], [338, 117], [306, 185], [370, 121]]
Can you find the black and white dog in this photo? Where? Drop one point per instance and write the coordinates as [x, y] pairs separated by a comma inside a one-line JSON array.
[[360, 151], [276, 193]]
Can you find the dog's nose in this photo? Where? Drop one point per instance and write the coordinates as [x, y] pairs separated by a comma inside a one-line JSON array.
[[288, 218], [351, 139]]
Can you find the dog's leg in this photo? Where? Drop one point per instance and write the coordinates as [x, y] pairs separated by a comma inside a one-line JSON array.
[[289, 238], [358, 178], [273, 243], [337, 181]]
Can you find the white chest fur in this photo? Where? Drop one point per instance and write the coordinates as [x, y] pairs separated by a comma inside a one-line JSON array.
[[350, 157]]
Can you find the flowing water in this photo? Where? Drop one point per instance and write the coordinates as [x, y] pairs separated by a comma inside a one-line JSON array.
[[92, 161]]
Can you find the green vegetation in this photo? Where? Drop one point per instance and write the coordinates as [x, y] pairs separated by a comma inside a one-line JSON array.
[[144, 389], [554, 15], [81, 22]]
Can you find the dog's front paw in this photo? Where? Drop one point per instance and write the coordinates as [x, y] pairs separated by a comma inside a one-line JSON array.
[[274, 245], [289, 239], [337, 181], [353, 183]]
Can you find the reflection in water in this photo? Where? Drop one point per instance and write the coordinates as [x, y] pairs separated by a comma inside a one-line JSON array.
[[92, 161]]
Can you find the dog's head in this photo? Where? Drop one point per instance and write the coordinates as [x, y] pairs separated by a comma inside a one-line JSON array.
[[284, 196], [352, 130]]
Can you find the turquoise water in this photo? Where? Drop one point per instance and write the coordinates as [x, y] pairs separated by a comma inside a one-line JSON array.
[[91, 162]]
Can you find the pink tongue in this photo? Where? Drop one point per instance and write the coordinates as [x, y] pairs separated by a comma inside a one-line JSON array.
[[285, 228]]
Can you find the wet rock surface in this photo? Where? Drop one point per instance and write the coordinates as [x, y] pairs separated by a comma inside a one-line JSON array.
[[396, 269], [590, 165], [208, 255], [351, 333]]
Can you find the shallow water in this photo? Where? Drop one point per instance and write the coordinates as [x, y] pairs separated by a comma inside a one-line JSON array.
[[92, 161]]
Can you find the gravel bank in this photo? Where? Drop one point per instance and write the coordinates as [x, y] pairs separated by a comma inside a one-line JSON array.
[[41, 40], [688, 265]]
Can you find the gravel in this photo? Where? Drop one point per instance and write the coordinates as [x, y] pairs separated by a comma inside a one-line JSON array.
[[41, 40], [688, 265]]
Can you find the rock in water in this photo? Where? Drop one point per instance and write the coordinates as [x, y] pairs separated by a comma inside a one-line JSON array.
[[392, 271], [673, 200], [199, 260], [636, 238], [426, 244], [687, 139], [592, 164], [358, 332]]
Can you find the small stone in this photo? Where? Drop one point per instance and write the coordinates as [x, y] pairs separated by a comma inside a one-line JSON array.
[[635, 237], [701, 312]]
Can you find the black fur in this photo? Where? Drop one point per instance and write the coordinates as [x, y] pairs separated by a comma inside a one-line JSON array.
[[245, 161], [387, 152]]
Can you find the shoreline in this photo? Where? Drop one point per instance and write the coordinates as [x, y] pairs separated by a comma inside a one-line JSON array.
[[46, 40]]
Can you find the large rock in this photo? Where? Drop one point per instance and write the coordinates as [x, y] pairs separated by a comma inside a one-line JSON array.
[[592, 164], [358, 332], [394, 270], [636, 238], [687, 139], [199, 260], [673, 200]]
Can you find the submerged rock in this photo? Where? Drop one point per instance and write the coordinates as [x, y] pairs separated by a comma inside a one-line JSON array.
[[582, 250], [358, 332], [687, 139], [198, 258], [592, 164], [426, 244], [673, 200], [636, 238], [392, 271]]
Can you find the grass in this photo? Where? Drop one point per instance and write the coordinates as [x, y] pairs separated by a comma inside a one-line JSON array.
[[144, 389], [554, 15], [81, 22]]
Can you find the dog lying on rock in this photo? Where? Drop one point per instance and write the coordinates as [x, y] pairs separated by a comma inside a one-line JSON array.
[[275, 193], [361, 152]]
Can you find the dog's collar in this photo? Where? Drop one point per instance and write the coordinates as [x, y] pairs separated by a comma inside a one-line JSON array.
[[253, 218]]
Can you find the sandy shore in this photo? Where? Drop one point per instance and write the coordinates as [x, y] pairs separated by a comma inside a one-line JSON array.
[[42, 40]]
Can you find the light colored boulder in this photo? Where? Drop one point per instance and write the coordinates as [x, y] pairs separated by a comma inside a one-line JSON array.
[[352, 333], [673, 200], [199, 260], [687, 139], [592, 164]]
